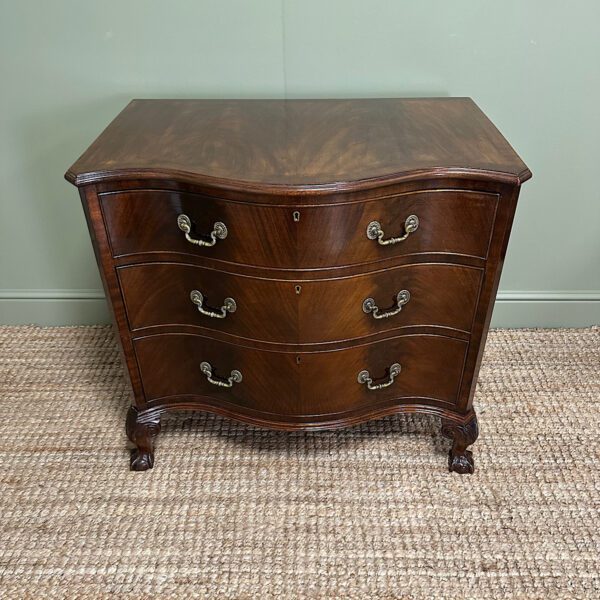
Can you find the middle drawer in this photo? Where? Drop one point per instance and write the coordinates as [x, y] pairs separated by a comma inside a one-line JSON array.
[[300, 311]]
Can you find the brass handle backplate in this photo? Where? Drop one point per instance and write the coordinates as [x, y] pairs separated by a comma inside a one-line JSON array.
[[219, 231], [375, 232], [369, 306], [234, 377], [229, 306], [365, 377]]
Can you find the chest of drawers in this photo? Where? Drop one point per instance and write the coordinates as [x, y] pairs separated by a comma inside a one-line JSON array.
[[303, 263]]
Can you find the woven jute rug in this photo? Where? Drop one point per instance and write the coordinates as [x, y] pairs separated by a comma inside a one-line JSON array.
[[231, 511]]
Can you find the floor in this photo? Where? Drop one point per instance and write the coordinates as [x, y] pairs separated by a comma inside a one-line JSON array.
[[231, 511]]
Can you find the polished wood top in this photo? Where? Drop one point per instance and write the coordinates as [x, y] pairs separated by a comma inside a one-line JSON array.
[[299, 144]]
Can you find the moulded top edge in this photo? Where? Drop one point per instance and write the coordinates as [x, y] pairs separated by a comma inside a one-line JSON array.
[[83, 179]]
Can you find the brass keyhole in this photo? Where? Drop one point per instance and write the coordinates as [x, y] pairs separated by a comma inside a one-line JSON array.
[[298, 289], [296, 216]]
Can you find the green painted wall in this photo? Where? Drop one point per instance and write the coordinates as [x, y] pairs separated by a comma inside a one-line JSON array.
[[67, 67]]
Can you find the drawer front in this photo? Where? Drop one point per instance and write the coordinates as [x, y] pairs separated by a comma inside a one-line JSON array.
[[300, 311], [315, 384], [449, 222]]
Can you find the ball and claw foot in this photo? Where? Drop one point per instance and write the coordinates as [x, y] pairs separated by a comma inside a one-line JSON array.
[[142, 431], [461, 463], [460, 460], [140, 460]]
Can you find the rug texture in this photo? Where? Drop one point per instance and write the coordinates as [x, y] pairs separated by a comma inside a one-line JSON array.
[[232, 511]]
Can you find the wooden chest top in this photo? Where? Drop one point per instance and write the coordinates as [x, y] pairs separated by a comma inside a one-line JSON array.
[[301, 144]]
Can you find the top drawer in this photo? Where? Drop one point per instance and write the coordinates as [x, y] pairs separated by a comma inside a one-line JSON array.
[[303, 237]]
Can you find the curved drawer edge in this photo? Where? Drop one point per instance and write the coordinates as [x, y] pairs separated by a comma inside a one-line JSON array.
[[361, 340], [429, 406], [308, 348], [303, 273], [355, 268]]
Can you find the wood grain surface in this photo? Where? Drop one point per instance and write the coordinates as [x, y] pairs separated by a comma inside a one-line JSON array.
[[301, 311], [333, 235], [318, 385], [305, 143]]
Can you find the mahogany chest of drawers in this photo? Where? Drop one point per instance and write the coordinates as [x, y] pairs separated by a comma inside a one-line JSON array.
[[301, 264]]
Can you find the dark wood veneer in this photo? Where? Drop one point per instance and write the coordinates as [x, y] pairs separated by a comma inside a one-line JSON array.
[[301, 311], [299, 144], [283, 384], [329, 235], [299, 335]]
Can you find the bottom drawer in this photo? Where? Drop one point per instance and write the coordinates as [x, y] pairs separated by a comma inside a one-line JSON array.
[[287, 386]]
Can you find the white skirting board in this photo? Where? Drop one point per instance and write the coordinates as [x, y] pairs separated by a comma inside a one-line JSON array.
[[88, 307]]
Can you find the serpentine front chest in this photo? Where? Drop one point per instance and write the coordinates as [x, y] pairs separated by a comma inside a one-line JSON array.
[[301, 263]]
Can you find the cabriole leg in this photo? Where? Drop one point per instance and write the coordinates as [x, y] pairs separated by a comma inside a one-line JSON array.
[[462, 435], [141, 431]]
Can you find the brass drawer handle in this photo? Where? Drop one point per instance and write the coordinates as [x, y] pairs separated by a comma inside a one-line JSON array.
[[235, 377], [369, 306], [219, 231], [374, 231], [365, 377], [229, 306]]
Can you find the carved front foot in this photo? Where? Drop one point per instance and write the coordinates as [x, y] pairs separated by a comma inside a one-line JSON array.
[[460, 460], [141, 431]]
